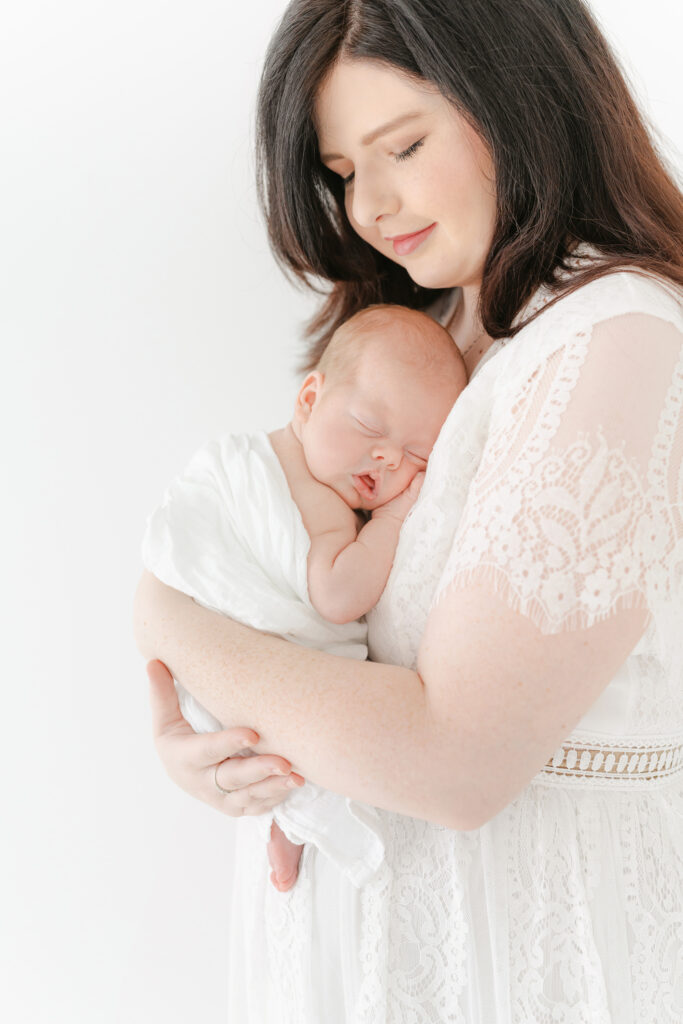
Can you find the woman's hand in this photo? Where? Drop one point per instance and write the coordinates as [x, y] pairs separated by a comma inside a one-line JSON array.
[[190, 759]]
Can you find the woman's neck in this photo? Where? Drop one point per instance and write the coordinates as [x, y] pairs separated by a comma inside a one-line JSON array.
[[466, 329]]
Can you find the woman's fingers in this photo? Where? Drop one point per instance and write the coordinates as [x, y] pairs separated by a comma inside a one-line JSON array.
[[269, 793], [196, 761], [166, 715], [214, 747], [167, 720], [259, 797], [264, 775]]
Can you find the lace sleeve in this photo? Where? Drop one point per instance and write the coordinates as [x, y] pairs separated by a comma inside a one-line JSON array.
[[575, 509]]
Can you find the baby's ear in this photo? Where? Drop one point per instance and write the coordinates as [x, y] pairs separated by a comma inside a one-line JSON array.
[[309, 393]]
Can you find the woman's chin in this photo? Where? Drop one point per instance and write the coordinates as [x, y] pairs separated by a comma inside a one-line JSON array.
[[432, 272], [432, 276]]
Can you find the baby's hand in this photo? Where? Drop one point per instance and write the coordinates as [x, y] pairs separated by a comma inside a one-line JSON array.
[[400, 506]]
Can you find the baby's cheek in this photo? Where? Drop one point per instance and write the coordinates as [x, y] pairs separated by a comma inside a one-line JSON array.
[[318, 462]]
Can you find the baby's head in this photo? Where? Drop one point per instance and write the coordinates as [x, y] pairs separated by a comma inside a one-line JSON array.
[[369, 414]]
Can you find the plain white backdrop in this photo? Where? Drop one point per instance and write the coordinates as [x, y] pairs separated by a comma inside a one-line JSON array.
[[141, 313]]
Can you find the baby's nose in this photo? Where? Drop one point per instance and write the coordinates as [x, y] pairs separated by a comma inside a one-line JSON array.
[[389, 455]]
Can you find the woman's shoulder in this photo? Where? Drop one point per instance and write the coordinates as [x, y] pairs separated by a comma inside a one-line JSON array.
[[573, 320], [617, 292]]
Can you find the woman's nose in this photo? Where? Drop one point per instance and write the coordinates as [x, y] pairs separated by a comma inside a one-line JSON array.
[[372, 198]]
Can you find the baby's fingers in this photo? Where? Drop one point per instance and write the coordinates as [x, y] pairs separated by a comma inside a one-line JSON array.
[[416, 484]]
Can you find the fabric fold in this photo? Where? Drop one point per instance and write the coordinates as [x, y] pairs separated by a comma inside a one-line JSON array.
[[228, 534]]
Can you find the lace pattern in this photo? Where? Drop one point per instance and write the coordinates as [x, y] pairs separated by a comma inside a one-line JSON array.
[[288, 927], [566, 907], [592, 927], [606, 762], [415, 958], [567, 533]]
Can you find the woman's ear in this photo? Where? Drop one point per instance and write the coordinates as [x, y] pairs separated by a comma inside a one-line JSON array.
[[309, 393]]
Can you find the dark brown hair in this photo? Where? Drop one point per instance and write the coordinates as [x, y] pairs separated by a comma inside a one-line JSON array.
[[573, 158]]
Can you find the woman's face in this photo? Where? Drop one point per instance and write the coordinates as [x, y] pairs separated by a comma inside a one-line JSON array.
[[419, 181]]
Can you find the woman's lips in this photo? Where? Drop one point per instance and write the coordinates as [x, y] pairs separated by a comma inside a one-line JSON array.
[[405, 244]]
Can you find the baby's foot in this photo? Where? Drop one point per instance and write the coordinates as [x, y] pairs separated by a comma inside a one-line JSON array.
[[284, 857]]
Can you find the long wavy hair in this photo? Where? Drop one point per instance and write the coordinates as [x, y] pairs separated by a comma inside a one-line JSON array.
[[574, 160]]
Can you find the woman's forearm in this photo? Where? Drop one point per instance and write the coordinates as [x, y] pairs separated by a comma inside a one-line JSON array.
[[357, 728]]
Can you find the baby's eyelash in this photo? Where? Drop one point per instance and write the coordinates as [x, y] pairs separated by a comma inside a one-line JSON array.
[[405, 155], [372, 431]]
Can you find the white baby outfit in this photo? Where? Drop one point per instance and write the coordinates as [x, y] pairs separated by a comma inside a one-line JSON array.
[[229, 534], [557, 481]]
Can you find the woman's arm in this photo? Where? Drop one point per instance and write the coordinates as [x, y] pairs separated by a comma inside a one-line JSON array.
[[555, 565], [452, 746], [207, 765], [356, 728]]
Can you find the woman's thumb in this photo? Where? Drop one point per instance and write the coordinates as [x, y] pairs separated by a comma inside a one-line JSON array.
[[163, 699]]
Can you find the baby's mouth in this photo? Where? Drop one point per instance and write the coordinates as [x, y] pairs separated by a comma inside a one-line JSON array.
[[365, 484]]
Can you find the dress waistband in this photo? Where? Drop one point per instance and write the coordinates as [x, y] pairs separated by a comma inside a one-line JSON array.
[[610, 762]]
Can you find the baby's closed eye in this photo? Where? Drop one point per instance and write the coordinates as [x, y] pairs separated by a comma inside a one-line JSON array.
[[419, 460]]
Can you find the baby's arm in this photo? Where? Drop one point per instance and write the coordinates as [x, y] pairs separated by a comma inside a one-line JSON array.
[[348, 568]]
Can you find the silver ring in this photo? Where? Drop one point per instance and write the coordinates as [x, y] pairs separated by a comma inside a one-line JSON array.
[[220, 789]]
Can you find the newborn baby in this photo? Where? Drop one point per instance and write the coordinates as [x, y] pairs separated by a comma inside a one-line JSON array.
[[353, 460]]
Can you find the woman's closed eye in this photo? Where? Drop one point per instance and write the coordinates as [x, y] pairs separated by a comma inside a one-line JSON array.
[[403, 155], [410, 150]]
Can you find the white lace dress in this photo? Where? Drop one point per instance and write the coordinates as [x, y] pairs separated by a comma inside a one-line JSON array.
[[558, 481]]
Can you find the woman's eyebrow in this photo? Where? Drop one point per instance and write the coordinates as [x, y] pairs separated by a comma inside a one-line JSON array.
[[372, 136]]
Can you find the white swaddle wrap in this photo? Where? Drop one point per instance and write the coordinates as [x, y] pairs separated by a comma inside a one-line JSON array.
[[229, 535]]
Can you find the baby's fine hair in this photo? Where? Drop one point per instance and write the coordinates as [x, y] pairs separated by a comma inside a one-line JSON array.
[[416, 340]]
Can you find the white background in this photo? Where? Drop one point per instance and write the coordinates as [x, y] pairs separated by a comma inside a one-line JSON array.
[[140, 314]]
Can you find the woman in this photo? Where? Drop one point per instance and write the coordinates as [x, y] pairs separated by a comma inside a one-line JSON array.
[[520, 728]]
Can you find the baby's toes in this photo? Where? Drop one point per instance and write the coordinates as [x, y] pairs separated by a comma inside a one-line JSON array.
[[283, 884]]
